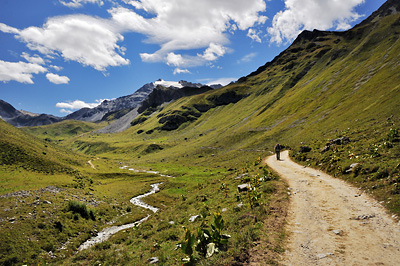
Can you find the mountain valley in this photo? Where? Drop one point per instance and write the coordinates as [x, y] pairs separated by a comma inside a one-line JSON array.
[[331, 99]]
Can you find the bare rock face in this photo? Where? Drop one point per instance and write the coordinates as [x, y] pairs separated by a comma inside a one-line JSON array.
[[125, 102]]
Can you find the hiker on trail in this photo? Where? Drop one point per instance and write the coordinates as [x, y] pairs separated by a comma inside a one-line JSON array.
[[278, 151]]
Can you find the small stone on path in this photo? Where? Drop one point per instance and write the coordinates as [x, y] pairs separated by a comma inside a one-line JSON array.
[[338, 232], [321, 256]]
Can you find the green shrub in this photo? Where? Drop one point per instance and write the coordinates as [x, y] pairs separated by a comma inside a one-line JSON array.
[[80, 208], [393, 135]]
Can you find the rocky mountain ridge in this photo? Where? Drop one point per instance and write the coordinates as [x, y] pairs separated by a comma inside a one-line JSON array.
[[116, 108], [21, 118]]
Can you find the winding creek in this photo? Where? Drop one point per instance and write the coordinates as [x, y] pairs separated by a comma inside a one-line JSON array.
[[108, 232]]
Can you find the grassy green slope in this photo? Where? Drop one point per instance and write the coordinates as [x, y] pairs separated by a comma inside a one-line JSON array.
[[324, 86], [62, 131], [29, 162]]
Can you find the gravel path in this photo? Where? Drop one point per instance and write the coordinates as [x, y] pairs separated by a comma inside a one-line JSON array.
[[333, 223]]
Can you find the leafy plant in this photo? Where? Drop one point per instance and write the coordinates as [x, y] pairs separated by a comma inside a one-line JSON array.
[[253, 194], [393, 135], [208, 242], [216, 231], [187, 247]]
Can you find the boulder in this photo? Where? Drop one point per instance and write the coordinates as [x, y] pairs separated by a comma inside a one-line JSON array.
[[340, 141], [243, 187], [352, 167], [304, 149]]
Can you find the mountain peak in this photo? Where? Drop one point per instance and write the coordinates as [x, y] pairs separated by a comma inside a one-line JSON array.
[[390, 7]]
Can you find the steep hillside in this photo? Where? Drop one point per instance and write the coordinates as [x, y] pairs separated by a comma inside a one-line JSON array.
[[23, 151]]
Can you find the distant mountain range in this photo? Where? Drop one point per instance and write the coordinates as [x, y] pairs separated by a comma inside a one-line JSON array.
[[108, 109], [23, 118]]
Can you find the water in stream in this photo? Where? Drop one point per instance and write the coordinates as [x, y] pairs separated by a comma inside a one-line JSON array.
[[107, 232]]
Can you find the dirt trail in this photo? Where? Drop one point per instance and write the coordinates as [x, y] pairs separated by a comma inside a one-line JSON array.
[[333, 223]]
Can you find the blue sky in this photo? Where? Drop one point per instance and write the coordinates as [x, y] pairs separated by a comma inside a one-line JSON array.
[[57, 56]]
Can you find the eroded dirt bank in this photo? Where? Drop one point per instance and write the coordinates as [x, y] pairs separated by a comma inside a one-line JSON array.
[[333, 223]]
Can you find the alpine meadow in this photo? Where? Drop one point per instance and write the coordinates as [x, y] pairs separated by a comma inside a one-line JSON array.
[[331, 98]]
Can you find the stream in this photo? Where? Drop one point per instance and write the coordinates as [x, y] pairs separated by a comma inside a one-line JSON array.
[[107, 232]]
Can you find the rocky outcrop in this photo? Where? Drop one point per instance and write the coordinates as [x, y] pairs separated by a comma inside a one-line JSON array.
[[388, 8], [215, 100], [161, 95], [158, 96], [126, 102], [338, 141], [120, 124], [173, 120]]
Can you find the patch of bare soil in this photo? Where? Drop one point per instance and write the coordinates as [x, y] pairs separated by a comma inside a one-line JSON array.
[[332, 223]]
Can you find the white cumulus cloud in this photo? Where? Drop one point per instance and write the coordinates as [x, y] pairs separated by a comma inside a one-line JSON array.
[[181, 71], [175, 26], [79, 3], [19, 71], [254, 35], [88, 40], [36, 59], [56, 68], [65, 111], [7, 29], [185, 25], [213, 52], [56, 79], [302, 15], [77, 104]]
